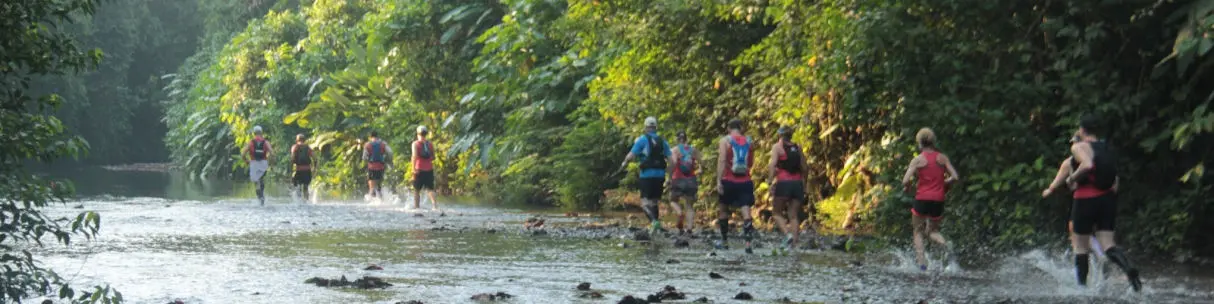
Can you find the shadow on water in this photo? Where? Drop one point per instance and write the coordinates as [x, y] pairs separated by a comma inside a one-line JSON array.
[[205, 242]]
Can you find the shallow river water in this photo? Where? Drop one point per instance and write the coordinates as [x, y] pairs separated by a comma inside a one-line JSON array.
[[165, 238]]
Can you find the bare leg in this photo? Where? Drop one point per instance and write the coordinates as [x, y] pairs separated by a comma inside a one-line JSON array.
[[794, 220], [417, 198], [933, 232], [690, 216], [433, 202], [778, 214], [678, 211], [917, 227]]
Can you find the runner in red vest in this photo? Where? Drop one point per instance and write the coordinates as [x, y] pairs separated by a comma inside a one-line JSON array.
[[684, 184], [423, 169], [377, 154], [934, 173], [788, 170], [736, 188], [303, 159]]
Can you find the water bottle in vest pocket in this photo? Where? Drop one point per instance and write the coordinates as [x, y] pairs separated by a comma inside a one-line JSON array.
[[740, 153]]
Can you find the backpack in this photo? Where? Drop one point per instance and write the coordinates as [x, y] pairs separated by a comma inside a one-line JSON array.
[[1105, 160], [1104, 170], [740, 165], [426, 151], [377, 151], [686, 161], [259, 149], [653, 160], [792, 159], [303, 155]]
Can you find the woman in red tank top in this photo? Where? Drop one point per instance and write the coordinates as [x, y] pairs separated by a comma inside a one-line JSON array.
[[934, 173]]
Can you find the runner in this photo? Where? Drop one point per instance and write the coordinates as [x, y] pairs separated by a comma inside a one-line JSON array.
[[377, 154], [788, 168], [1094, 177], [1064, 170], [930, 168], [303, 159], [734, 184], [654, 154], [259, 162], [684, 184], [423, 169]]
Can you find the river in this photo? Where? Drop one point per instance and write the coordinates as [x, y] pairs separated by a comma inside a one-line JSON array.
[[165, 237]]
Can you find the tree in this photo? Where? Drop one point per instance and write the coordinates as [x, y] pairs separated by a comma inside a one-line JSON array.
[[33, 48]]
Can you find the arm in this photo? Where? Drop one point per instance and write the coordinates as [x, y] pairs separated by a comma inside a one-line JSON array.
[[366, 152], [1059, 179], [637, 148], [413, 151], [293, 151], [775, 158], [948, 165], [722, 147], [269, 152], [312, 158], [910, 172], [1083, 154], [671, 161]]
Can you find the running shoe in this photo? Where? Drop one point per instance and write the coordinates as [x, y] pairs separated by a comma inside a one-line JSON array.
[[655, 227], [787, 244], [749, 248]]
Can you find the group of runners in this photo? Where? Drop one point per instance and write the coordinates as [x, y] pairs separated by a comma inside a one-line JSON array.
[[377, 156], [1090, 173]]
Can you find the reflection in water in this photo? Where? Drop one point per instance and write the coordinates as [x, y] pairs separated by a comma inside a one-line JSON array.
[[202, 246]]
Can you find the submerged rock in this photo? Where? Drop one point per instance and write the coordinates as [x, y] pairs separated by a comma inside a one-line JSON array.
[[419, 215], [682, 242], [641, 236], [491, 231], [631, 300], [491, 296], [366, 282], [667, 293], [591, 295], [410, 302], [786, 300], [743, 296], [715, 275], [672, 261], [701, 300], [583, 286], [373, 267], [539, 232]]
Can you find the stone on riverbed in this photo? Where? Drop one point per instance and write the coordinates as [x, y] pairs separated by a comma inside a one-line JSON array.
[[373, 267], [743, 296], [366, 282], [715, 275], [583, 286], [491, 296], [410, 302], [667, 293], [631, 300], [591, 295]]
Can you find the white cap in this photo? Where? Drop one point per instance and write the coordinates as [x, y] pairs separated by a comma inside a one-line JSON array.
[[651, 122], [257, 129], [421, 129]]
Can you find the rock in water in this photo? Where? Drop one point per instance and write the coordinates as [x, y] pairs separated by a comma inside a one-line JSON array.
[[667, 293], [701, 300], [631, 300], [672, 261], [410, 302], [48, 302], [682, 243], [371, 283], [583, 286], [743, 296], [715, 275], [373, 267], [640, 236], [786, 300], [491, 296], [591, 295]]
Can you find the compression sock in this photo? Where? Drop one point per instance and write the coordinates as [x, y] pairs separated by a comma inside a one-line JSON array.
[[680, 224], [1117, 256], [748, 229], [651, 212], [261, 190], [724, 226], [1081, 268]]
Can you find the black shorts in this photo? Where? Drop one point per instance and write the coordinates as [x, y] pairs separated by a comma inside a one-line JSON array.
[[928, 209], [794, 190], [652, 187], [1094, 214], [301, 178], [375, 175], [737, 195], [423, 180]]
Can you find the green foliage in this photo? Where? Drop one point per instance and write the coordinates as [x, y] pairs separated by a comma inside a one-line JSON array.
[[530, 100], [33, 50]]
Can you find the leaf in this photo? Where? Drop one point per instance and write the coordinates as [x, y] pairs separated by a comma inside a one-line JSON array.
[[450, 34]]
